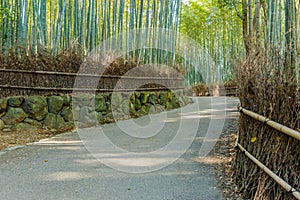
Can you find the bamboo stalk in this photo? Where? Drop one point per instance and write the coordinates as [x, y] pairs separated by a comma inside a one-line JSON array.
[[284, 129], [278, 180]]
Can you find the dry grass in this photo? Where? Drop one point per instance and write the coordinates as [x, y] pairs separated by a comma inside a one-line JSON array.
[[229, 89], [200, 90], [72, 59], [68, 60], [226, 151]]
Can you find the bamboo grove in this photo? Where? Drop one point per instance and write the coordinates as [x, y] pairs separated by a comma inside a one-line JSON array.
[[59, 24], [231, 30], [217, 29], [226, 30]]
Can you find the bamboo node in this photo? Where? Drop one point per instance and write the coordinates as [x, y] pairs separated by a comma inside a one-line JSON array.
[[293, 190], [266, 121]]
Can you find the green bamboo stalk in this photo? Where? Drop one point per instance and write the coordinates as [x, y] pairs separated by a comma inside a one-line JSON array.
[[108, 17], [23, 23], [70, 23], [64, 42], [8, 28], [44, 20], [93, 21], [131, 25], [127, 36], [114, 23], [120, 23], [76, 18], [121, 16], [88, 24], [16, 20], [97, 23], [104, 20], [61, 13], [33, 41], [82, 20], [51, 16], [146, 53]]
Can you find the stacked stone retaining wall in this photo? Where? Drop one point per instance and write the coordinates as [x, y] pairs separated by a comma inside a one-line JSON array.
[[55, 112]]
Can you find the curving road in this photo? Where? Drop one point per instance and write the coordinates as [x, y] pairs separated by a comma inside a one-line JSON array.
[[134, 160]]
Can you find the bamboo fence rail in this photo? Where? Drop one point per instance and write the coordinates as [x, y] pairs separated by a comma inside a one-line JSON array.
[[275, 125], [279, 180]]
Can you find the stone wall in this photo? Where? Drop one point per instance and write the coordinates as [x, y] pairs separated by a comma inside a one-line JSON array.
[[55, 112]]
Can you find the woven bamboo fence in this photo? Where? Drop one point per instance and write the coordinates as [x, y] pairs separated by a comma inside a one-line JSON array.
[[282, 129], [25, 83]]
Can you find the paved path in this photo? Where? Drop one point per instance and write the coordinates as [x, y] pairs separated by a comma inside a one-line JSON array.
[[62, 168]]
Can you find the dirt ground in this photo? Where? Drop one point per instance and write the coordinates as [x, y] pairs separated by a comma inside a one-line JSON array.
[[225, 151], [21, 137]]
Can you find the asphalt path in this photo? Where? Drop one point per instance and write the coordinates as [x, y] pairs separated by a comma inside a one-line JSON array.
[[156, 157]]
